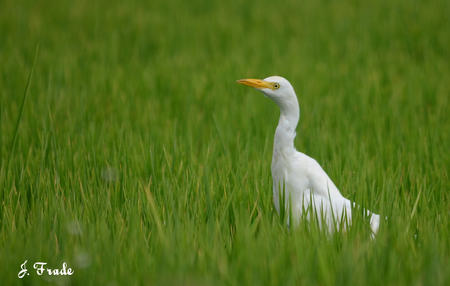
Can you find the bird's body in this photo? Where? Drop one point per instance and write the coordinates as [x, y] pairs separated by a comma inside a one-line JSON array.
[[298, 178]]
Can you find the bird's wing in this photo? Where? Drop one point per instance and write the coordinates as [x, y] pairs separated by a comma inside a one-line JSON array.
[[325, 194], [333, 212], [318, 181]]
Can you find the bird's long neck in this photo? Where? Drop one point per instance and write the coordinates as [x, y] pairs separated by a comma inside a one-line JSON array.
[[285, 132]]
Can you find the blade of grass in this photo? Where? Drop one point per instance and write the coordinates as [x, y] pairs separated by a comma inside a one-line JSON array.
[[19, 118], [225, 150]]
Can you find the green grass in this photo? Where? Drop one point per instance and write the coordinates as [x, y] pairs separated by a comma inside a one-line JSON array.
[[138, 159]]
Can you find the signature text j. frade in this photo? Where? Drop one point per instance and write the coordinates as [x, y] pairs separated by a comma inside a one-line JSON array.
[[41, 269]]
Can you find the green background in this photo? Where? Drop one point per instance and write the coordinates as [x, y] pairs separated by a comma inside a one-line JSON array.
[[138, 159]]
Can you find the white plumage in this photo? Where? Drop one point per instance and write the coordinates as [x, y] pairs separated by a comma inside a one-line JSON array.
[[306, 185]]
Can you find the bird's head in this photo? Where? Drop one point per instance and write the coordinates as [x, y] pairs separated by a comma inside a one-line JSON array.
[[276, 88]]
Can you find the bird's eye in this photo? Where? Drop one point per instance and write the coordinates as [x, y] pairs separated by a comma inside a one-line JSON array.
[[276, 85]]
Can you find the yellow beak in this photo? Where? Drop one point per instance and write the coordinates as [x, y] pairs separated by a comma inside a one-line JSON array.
[[256, 83]]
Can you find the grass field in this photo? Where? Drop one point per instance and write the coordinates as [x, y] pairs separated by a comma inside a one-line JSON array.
[[137, 159]]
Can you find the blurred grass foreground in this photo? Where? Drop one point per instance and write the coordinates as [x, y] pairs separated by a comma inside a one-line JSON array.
[[137, 160]]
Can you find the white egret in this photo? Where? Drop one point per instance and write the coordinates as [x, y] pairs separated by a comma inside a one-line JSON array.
[[306, 185]]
